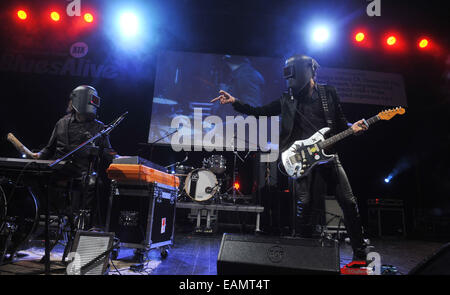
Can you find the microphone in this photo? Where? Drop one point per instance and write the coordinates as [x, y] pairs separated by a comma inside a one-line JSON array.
[[121, 118], [118, 120]]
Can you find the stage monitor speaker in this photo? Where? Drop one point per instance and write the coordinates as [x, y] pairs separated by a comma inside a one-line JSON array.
[[251, 255], [436, 264]]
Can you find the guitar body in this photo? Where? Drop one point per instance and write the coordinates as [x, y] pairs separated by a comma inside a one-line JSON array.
[[303, 155]]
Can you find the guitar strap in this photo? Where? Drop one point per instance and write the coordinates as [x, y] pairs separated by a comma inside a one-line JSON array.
[[323, 97]]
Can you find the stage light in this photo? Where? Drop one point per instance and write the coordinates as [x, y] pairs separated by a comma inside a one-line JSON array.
[[321, 34], [391, 40], [21, 14], [423, 43], [55, 16], [89, 18], [236, 185], [359, 37], [388, 179], [129, 24]]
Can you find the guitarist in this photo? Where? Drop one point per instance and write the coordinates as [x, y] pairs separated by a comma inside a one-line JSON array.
[[303, 112]]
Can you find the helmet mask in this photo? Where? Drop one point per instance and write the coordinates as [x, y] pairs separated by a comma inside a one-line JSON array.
[[85, 101], [298, 72]]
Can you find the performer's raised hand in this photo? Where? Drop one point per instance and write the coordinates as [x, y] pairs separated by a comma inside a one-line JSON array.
[[224, 97]]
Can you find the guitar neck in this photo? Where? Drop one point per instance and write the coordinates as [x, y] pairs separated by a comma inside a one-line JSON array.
[[335, 138]]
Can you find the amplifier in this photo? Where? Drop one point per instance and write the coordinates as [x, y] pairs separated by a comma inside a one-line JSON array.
[[385, 202], [386, 217], [253, 255]]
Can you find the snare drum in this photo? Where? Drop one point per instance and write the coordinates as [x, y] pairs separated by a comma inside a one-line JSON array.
[[201, 185], [216, 163]]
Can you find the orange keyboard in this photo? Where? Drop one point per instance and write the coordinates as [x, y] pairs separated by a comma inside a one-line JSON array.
[[140, 173]]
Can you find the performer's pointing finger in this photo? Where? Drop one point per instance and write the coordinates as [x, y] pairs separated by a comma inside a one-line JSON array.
[[215, 99]]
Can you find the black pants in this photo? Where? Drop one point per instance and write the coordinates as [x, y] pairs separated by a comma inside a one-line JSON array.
[[327, 178]]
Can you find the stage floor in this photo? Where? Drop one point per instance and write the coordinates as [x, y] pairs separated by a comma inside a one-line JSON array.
[[196, 254]]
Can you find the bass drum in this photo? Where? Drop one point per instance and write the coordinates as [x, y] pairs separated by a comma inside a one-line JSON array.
[[201, 185], [20, 219]]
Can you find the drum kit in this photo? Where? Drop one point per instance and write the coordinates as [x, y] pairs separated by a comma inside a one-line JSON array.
[[203, 184]]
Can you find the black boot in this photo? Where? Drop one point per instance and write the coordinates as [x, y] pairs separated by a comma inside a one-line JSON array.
[[360, 253]]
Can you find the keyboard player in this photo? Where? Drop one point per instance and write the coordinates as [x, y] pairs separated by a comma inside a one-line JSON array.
[[77, 126]]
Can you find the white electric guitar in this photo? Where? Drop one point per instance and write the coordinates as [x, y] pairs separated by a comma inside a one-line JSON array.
[[303, 155]]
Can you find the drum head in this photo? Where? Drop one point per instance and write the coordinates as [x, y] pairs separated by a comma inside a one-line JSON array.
[[201, 185]]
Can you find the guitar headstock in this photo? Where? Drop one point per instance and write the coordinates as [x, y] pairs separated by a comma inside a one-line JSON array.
[[388, 114]]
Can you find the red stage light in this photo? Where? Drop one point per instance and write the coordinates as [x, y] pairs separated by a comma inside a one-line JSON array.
[[359, 37], [391, 40], [55, 16], [423, 43], [22, 14], [89, 18], [237, 185]]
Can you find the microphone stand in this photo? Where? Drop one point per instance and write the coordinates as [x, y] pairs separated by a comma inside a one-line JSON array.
[[152, 144], [104, 132], [178, 163]]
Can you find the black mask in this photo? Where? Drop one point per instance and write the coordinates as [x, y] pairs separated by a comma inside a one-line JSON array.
[[85, 101], [298, 71]]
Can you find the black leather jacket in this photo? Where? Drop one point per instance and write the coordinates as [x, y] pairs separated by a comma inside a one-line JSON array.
[[285, 107]]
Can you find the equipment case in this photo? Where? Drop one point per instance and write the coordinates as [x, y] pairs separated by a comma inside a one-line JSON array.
[[142, 215]]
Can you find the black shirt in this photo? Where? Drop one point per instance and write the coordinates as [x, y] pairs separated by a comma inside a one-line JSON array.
[[309, 117], [70, 133]]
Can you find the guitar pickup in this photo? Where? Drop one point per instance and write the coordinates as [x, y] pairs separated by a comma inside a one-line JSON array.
[[293, 158]]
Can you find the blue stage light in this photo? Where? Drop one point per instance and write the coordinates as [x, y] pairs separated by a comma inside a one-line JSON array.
[[388, 179], [321, 34], [129, 24]]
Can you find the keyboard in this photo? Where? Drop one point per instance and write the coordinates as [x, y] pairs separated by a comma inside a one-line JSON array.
[[31, 164]]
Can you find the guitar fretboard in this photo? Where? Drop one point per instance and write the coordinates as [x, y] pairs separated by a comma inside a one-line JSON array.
[[335, 138]]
